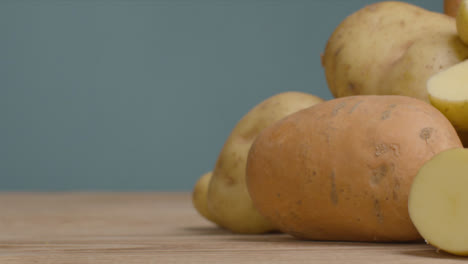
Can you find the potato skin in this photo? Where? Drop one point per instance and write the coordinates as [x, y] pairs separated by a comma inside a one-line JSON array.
[[390, 48], [228, 201], [200, 197], [342, 170], [451, 7]]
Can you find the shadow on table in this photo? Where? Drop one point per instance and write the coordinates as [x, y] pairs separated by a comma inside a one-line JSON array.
[[418, 249], [417, 246], [283, 237], [433, 254], [214, 230], [206, 230], [268, 237]]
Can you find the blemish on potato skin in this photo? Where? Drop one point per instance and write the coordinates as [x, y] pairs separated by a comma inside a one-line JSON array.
[[294, 215], [426, 133], [238, 162], [386, 115], [338, 50], [378, 211], [354, 107], [338, 108], [379, 173], [395, 149], [381, 149], [229, 180], [220, 163], [396, 189], [351, 87], [333, 193]]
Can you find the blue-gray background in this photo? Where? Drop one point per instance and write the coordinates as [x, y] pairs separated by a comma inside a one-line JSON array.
[[141, 94]]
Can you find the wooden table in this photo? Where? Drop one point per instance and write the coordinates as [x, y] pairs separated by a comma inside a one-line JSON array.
[[161, 228]]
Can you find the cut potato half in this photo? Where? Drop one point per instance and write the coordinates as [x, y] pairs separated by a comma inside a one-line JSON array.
[[438, 201], [448, 92], [462, 21]]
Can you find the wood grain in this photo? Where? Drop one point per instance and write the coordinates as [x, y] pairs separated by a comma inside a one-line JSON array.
[[161, 228]]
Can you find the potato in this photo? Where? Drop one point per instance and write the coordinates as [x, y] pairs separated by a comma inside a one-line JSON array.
[[438, 201], [228, 201], [200, 195], [342, 170], [451, 7], [390, 48], [462, 21], [448, 92]]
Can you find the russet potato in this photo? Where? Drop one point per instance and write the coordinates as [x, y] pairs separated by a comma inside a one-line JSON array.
[[342, 170]]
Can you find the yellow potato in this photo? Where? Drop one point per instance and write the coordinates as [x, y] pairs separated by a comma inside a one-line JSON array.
[[200, 195], [462, 21], [390, 48], [228, 199], [438, 201]]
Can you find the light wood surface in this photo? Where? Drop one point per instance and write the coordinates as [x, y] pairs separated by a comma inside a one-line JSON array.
[[162, 228]]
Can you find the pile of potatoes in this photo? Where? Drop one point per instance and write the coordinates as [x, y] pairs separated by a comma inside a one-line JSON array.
[[354, 168]]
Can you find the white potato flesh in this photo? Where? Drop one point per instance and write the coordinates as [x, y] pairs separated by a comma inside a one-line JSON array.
[[448, 92], [438, 201]]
